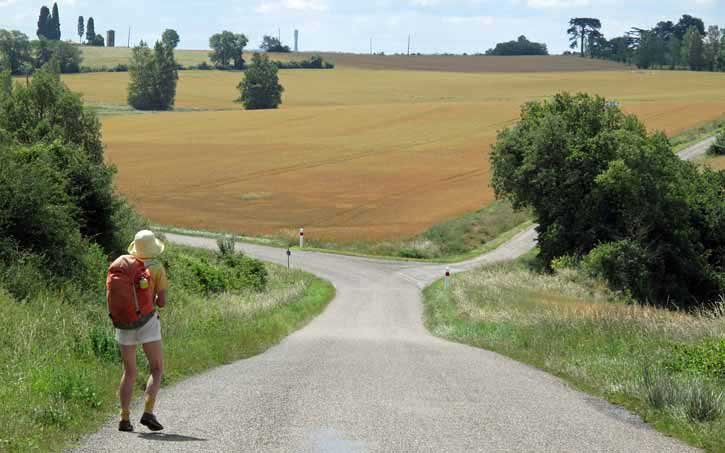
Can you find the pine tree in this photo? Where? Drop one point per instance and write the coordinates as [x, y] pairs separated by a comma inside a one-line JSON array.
[[54, 29], [81, 28], [43, 23], [90, 32]]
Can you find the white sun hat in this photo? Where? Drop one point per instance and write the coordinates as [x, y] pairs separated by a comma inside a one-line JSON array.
[[146, 245]]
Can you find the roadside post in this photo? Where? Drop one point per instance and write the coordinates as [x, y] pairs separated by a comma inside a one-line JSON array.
[[302, 237], [448, 276], [289, 254]]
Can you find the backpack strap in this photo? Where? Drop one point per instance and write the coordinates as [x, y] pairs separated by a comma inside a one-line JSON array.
[[135, 298]]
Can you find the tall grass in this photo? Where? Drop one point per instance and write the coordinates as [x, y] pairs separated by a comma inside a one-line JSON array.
[[656, 362], [59, 362]]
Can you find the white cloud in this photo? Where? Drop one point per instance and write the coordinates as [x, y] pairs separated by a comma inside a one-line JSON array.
[[483, 20], [6, 3], [291, 5], [556, 3]]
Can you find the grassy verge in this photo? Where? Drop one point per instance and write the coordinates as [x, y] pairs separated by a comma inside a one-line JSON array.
[[668, 367], [59, 362], [455, 240], [692, 136]]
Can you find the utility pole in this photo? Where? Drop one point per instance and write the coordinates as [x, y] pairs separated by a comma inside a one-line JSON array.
[[408, 45], [371, 45], [129, 37], [279, 34]]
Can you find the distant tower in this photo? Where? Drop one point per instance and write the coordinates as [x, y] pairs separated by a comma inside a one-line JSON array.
[[111, 38], [297, 40]]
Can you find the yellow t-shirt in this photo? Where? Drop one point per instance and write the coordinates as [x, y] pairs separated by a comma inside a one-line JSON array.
[[159, 282]]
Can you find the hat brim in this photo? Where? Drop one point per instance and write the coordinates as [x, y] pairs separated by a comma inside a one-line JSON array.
[[157, 250]]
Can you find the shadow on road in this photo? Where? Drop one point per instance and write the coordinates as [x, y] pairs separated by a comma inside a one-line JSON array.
[[162, 437]]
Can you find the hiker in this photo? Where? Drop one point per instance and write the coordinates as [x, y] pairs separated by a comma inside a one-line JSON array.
[[136, 285]]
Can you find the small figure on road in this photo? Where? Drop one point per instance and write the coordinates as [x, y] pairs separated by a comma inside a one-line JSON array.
[[136, 286]]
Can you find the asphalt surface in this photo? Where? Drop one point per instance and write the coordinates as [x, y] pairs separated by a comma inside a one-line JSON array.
[[696, 150], [367, 376]]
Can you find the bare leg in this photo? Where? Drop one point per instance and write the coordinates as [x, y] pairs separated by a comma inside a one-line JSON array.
[[125, 393], [155, 356]]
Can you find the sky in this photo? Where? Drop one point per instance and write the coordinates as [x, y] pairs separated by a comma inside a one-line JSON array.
[[435, 26]]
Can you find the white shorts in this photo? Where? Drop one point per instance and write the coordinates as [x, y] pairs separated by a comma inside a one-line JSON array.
[[148, 333]]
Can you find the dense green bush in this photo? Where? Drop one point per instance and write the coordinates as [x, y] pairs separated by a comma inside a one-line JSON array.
[[226, 272], [718, 148], [623, 264], [594, 175], [314, 62]]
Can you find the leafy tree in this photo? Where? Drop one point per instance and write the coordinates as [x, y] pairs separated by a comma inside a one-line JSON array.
[[47, 111], [272, 44], [598, 46], [674, 52], [91, 31], [712, 48], [694, 50], [621, 49], [685, 23], [521, 46], [579, 30], [651, 51], [170, 38], [228, 46], [721, 58], [594, 176], [260, 88], [66, 55], [154, 76], [81, 28], [44, 23], [14, 51], [665, 30], [56, 191], [54, 25], [98, 41]]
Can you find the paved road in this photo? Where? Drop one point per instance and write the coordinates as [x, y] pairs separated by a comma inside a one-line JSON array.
[[367, 376], [697, 149]]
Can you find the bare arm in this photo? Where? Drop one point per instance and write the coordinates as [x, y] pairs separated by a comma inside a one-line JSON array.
[[161, 299]]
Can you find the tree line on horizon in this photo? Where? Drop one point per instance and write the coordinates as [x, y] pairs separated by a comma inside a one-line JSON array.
[[685, 44]]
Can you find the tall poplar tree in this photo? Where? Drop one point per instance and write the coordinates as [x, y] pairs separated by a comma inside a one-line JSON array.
[[81, 28]]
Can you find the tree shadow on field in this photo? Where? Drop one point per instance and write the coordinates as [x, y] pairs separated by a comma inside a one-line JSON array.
[[169, 437]]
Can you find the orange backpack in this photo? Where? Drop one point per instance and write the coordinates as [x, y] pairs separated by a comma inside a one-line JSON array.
[[128, 293]]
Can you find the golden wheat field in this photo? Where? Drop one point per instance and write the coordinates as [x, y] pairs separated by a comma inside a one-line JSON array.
[[353, 153]]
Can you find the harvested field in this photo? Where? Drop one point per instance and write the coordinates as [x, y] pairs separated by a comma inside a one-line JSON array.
[[216, 90], [96, 57], [354, 154], [471, 63]]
